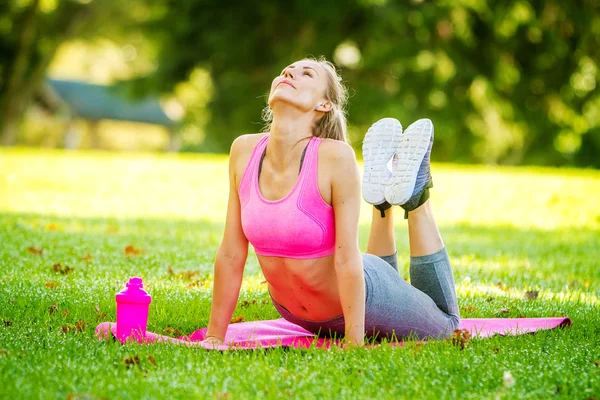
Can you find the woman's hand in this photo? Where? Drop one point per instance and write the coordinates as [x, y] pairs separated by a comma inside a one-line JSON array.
[[212, 341], [354, 341]]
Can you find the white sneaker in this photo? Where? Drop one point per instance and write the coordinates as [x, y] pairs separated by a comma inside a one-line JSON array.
[[415, 143], [378, 147]]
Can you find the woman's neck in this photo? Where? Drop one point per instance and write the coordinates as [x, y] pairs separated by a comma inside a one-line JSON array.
[[287, 131]]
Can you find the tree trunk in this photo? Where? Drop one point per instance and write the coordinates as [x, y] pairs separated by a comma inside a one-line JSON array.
[[94, 134], [72, 139], [13, 102], [24, 78], [10, 129], [174, 141]]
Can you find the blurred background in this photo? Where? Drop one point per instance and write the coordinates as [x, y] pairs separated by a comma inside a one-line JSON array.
[[505, 82]]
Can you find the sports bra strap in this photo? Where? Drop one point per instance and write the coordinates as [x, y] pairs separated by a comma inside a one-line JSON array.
[[265, 153]]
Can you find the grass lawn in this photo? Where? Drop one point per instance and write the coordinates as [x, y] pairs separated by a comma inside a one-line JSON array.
[[507, 231]]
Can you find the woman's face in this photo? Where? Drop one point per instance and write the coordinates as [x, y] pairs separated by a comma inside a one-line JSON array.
[[302, 84]]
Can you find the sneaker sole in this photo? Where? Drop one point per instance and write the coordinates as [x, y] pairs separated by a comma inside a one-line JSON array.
[[378, 147], [414, 143]]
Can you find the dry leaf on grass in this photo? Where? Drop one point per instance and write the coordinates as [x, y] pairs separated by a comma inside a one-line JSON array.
[[53, 309], [80, 325], [66, 329], [50, 285], [132, 251], [132, 361], [502, 311], [89, 257], [469, 309], [7, 323], [237, 319], [461, 337], [99, 315], [195, 283], [151, 360], [531, 295], [77, 328], [63, 270], [173, 332], [246, 303], [36, 251]]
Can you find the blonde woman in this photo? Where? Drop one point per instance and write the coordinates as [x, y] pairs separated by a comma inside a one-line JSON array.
[[295, 196]]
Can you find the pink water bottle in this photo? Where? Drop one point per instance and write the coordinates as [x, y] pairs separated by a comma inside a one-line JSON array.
[[132, 311]]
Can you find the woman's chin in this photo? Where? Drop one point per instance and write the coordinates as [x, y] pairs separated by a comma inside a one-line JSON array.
[[281, 101]]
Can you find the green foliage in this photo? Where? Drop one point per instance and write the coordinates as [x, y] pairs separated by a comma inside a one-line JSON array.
[[504, 82], [87, 207], [31, 32]]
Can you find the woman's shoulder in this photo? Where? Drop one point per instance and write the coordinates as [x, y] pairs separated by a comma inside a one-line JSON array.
[[338, 160], [241, 152], [333, 150], [243, 145], [247, 141]]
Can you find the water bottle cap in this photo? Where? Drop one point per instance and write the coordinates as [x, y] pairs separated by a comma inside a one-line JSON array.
[[134, 292], [135, 282]]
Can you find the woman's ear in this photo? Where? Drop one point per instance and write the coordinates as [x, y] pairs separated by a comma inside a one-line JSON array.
[[324, 106]]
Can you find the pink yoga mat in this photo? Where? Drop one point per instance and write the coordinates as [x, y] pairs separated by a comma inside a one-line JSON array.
[[279, 332]]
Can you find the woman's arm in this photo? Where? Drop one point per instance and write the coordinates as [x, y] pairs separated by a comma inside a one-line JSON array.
[[230, 259], [345, 198]]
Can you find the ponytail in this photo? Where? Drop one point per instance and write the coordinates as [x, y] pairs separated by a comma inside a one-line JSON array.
[[332, 125]]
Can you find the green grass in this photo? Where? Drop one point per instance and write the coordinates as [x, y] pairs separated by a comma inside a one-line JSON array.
[[507, 230]]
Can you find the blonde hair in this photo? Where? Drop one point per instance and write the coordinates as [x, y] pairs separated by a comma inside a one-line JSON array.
[[332, 125]]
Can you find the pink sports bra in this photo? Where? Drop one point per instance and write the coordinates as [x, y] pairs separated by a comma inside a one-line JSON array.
[[300, 225]]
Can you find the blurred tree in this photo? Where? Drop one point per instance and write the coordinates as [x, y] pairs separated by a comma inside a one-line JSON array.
[[504, 81], [30, 33], [242, 44]]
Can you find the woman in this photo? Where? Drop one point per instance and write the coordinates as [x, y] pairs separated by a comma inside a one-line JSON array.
[[295, 196]]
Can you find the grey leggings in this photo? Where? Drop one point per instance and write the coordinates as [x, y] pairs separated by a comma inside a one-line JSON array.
[[395, 309]]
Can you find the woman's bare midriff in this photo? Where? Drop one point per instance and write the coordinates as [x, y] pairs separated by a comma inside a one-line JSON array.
[[305, 287]]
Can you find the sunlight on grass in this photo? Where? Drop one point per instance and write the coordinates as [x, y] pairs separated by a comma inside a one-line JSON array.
[[101, 184], [479, 290]]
